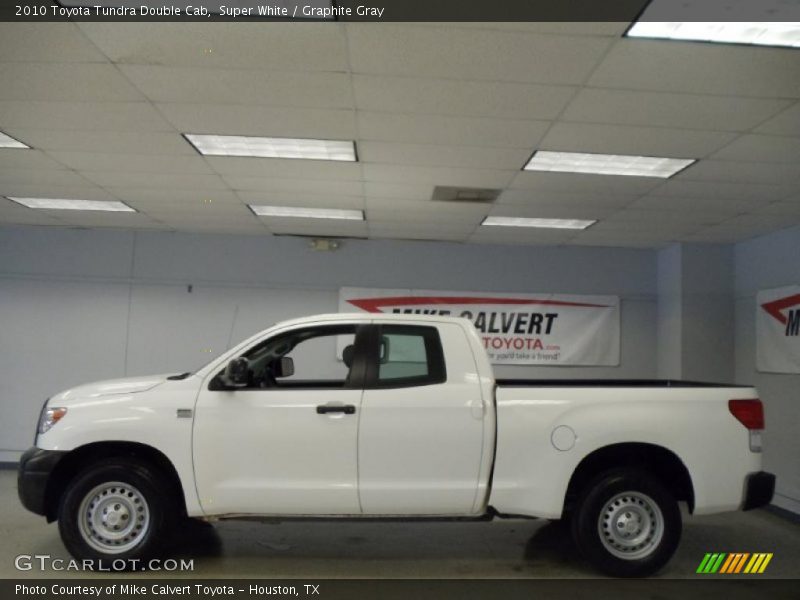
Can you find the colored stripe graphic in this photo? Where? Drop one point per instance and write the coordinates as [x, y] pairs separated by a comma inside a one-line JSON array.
[[734, 563]]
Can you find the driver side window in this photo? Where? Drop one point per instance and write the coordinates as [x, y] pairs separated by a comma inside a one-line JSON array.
[[313, 359]]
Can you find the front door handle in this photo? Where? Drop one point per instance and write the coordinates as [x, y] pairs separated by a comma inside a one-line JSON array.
[[347, 409]]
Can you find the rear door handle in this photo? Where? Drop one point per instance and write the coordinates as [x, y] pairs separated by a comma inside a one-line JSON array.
[[347, 409]]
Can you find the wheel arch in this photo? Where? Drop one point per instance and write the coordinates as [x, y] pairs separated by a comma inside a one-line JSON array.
[[657, 460], [80, 458]]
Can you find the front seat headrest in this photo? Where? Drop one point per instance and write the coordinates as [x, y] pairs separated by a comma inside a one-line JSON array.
[[347, 355]]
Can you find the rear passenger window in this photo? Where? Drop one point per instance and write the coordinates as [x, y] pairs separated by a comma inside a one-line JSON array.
[[410, 355]]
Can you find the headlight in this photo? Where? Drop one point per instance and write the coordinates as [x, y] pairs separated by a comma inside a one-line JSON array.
[[50, 416]]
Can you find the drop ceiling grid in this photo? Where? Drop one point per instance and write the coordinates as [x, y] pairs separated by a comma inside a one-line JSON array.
[[456, 118]]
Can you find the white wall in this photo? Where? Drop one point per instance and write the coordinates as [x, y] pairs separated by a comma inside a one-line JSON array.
[[80, 305], [769, 262]]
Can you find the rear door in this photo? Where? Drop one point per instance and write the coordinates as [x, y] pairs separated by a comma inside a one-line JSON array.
[[421, 430]]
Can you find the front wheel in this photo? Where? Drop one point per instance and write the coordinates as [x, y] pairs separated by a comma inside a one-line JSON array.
[[627, 524], [115, 513]]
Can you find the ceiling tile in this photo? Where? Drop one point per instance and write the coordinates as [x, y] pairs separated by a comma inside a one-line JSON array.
[[727, 207], [417, 234], [107, 116], [728, 70], [109, 219], [261, 120], [405, 191], [239, 45], [87, 191], [632, 216], [134, 163], [554, 199], [22, 42], [467, 98], [185, 181], [779, 208], [645, 141], [683, 111], [784, 123], [738, 171], [41, 177], [470, 157], [721, 190], [408, 50], [449, 176], [285, 168], [177, 210], [125, 142], [434, 214], [450, 130], [197, 197], [291, 186], [14, 158], [92, 82], [233, 86], [762, 148], [529, 236]]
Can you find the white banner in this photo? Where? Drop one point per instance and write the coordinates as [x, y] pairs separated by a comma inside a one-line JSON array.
[[516, 329], [778, 330]]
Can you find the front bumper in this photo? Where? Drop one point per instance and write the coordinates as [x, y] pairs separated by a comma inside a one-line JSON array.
[[758, 490], [35, 467]]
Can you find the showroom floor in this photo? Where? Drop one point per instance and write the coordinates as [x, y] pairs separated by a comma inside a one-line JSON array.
[[497, 549]]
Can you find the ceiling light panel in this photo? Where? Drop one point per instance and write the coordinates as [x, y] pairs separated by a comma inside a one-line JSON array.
[[66, 204], [6, 141], [606, 164], [785, 34], [272, 147], [307, 213], [538, 223]]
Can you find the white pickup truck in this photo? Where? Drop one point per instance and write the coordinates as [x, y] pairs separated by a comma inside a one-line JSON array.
[[395, 416]]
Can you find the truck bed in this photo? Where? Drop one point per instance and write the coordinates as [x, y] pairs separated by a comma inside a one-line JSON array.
[[612, 383]]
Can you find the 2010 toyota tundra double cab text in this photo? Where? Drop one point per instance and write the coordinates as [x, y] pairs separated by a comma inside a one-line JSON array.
[[408, 422]]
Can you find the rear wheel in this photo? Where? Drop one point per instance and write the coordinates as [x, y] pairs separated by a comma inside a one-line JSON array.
[[627, 524], [115, 511]]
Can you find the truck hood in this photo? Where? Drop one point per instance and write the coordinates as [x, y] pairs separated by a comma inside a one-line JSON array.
[[110, 387]]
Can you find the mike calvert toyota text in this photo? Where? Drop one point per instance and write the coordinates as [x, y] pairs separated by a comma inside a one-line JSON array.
[[390, 416]]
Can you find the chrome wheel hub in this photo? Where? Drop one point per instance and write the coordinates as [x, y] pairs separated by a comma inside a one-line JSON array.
[[631, 525], [114, 517]]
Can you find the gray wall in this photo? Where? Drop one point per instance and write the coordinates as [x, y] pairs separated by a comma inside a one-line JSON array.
[[81, 305], [769, 262], [695, 312]]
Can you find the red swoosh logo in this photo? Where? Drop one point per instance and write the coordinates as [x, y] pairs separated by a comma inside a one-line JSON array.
[[374, 305], [776, 307]]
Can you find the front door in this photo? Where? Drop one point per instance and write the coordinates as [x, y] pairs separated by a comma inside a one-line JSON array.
[[284, 444]]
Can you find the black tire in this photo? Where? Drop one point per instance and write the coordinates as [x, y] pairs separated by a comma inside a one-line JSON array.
[[141, 496], [630, 544]]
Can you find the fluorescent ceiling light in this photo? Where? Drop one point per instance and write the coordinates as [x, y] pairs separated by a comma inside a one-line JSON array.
[[6, 141], [540, 223], [270, 147], [606, 164], [62, 204], [307, 213], [756, 33]]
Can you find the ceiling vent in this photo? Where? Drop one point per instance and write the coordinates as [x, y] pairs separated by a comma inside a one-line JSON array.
[[443, 193]]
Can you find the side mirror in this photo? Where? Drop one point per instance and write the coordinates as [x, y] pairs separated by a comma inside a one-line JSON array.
[[283, 367], [236, 372]]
